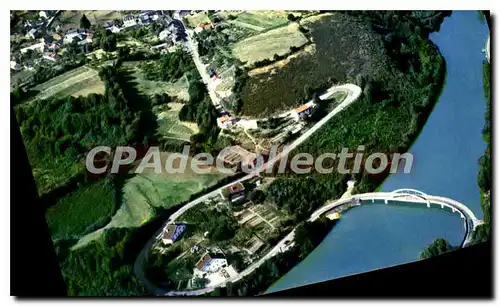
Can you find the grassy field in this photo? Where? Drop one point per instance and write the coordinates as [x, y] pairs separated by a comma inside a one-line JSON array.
[[260, 20], [169, 125], [178, 89], [342, 47], [266, 45], [73, 213], [77, 82], [71, 19], [144, 191]]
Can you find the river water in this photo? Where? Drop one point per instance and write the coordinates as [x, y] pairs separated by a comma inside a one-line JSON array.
[[445, 163]]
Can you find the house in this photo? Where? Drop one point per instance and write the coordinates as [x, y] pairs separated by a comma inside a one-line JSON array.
[[72, 34], [210, 263], [173, 232], [42, 14], [203, 26], [129, 21], [164, 34], [236, 156], [302, 111], [177, 30], [109, 26], [225, 122], [32, 34], [233, 193], [56, 37], [85, 40], [39, 47], [15, 66]]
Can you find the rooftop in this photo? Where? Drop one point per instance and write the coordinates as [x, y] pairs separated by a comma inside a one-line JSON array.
[[302, 108]]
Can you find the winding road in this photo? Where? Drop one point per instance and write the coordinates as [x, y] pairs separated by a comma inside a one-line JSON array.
[[353, 93]]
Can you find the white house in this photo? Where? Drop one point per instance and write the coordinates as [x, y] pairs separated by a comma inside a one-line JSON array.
[[173, 232], [164, 34], [302, 111], [31, 33], [42, 14], [70, 35], [36, 47], [210, 263], [129, 21], [15, 66]]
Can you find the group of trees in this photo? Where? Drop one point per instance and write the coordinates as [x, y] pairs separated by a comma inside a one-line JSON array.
[[200, 109], [104, 39], [170, 67], [58, 131], [438, 247], [103, 267], [220, 225]]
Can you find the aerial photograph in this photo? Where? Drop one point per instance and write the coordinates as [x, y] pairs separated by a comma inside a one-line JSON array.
[[250, 152]]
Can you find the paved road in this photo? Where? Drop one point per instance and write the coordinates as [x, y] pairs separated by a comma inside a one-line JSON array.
[[353, 93], [193, 50]]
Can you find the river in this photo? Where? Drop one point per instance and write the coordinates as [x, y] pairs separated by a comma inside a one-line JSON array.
[[445, 163]]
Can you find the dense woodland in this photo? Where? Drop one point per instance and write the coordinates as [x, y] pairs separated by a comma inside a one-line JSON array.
[[169, 67]]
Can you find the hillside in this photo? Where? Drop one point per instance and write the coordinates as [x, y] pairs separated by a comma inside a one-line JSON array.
[[343, 47]]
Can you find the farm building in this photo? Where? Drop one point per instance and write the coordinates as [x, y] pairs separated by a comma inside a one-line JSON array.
[[233, 193], [236, 156], [173, 232], [210, 263]]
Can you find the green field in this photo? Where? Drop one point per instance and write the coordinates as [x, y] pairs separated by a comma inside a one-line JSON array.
[[76, 211], [266, 45], [145, 191], [260, 20], [80, 81]]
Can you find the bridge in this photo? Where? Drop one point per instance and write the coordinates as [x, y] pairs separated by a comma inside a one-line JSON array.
[[410, 196]]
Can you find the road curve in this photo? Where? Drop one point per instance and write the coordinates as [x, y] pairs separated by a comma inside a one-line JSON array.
[[353, 93]]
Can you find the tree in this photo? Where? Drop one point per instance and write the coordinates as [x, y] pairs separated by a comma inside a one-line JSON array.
[[84, 22], [438, 247], [256, 196]]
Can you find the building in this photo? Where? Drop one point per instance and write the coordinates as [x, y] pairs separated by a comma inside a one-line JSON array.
[[302, 111], [77, 34], [42, 14], [32, 34], [164, 34], [224, 122], [113, 28], [203, 26], [173, 232], [237, 157], [36, 47], [210, 263], [233, 193], [129, 21], [15, 66], [49, 56]]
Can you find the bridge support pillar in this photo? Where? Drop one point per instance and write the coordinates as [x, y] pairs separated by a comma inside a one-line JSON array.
[[428, 205], [373, 200], [386, 201]]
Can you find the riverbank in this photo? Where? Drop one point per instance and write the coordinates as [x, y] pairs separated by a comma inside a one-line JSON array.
[[445, 163]]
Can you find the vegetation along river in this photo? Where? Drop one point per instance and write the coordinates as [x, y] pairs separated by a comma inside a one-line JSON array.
[[446, 157]]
